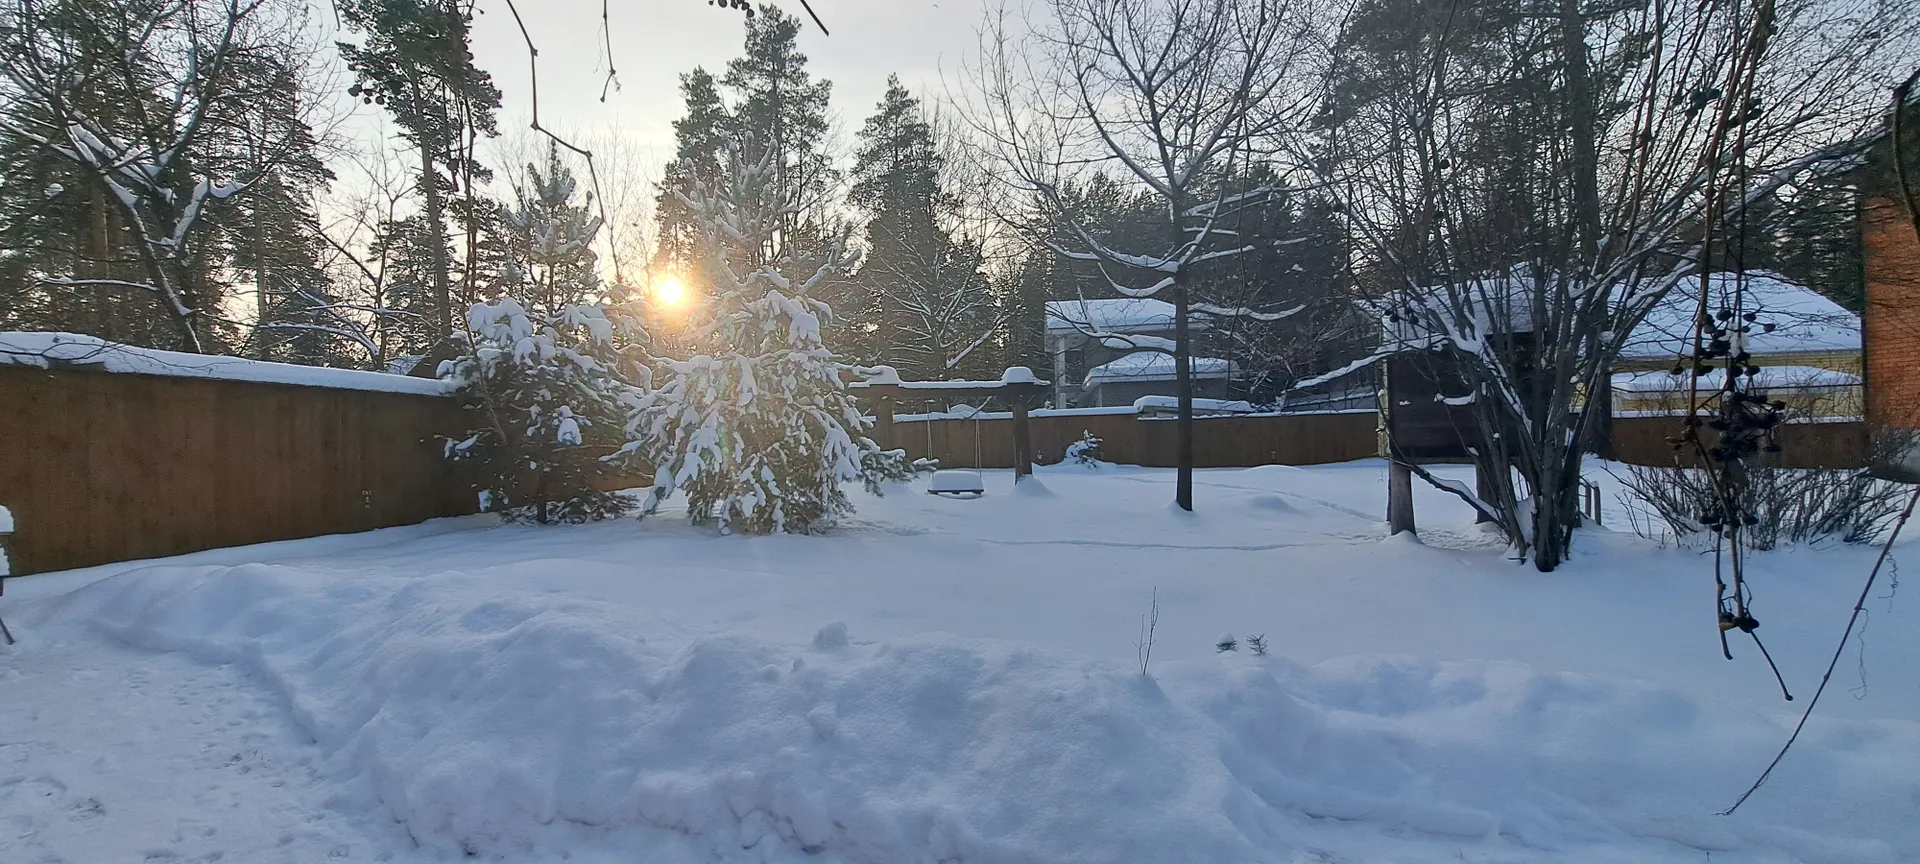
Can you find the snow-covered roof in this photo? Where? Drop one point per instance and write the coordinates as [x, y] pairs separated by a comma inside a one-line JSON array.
[[889, 376], [1121, 315], [1155, 366], [47, 349], [1803, 319], [1150, 404], [1405, 315], [1770, 378]]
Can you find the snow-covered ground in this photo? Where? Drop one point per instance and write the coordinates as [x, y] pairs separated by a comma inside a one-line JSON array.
[[953, 681]]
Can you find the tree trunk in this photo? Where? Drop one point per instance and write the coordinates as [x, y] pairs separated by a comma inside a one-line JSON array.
[[1400, 499], [1580, 117], [1600, 405], [1183, 390], [1485, 488], [437, 243], [260, 279], [1556, 509], [1022, 441]]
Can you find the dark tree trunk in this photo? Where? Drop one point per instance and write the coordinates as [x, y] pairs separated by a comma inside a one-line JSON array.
[[1183, 390], [1400, 499], [437, 242]]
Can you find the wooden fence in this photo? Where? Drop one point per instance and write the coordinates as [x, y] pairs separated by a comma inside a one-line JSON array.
[[100, 467], [1843, 444], [1218, 442], [1301, 439]]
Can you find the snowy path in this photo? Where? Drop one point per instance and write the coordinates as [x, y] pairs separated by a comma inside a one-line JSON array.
[[111, 754]]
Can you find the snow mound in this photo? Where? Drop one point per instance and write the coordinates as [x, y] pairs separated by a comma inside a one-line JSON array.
[[497, 722], [1031, 487], [1273, 503]]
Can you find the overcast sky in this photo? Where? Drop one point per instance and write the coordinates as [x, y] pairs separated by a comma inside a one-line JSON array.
[[655, 41]]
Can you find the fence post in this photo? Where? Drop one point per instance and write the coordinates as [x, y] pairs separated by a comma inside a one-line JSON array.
[[883, 421], [1399, 499]]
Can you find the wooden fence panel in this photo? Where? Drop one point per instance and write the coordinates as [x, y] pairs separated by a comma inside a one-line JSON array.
[[101, 467], [1643, 441], [1219, 442], [1302, 439]]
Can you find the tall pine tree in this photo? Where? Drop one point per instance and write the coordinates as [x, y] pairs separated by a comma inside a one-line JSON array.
[[920, 302], [416, 59], [699, 147], [767, 99]]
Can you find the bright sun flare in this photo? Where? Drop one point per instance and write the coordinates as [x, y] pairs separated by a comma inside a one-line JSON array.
[[668, 291]]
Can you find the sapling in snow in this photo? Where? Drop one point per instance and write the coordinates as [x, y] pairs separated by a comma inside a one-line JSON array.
[[1085, 451], [755, 423]]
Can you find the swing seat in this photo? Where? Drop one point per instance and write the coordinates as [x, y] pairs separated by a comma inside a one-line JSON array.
[[956, 483]]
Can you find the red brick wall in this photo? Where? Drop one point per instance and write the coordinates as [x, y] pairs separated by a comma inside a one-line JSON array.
[[1891, 325]]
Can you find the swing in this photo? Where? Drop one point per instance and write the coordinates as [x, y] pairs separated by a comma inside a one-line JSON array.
[[959, 482]]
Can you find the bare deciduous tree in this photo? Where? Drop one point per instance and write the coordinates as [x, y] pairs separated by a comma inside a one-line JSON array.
[[1529, 182], [1174, 95], [128, 94]]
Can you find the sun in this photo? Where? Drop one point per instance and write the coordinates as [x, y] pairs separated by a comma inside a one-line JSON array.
[[669, 291]]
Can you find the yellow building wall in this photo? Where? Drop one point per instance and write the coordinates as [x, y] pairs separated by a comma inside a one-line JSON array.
[[1833, 361]]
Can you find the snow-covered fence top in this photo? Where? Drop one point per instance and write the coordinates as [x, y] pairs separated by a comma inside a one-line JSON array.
[[70, 350]]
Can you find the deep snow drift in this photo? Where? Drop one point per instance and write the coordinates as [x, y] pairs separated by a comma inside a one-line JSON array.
[[951, 680]]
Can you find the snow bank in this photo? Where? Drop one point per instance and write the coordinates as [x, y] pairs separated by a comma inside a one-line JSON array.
[[46, 350], [504, 722]]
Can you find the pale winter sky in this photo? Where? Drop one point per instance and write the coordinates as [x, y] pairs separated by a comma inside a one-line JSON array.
[[656, 40]]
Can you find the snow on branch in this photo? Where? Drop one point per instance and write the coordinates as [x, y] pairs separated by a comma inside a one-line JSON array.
[[1350, 368], [1124, 341], [1243, 312], [1457, 488]]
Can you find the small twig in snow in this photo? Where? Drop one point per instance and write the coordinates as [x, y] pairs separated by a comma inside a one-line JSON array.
[[1148, 623]]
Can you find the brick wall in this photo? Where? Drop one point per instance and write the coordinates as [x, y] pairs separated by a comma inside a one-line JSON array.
[[1891, 325]]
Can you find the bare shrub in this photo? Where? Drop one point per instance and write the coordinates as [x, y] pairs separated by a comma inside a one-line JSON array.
[[1781, 505]]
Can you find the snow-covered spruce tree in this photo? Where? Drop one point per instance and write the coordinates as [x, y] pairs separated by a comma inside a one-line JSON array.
[[756, 425], [539, 379]]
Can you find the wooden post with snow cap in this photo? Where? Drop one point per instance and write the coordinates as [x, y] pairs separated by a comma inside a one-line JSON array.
[[1022, 430]]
